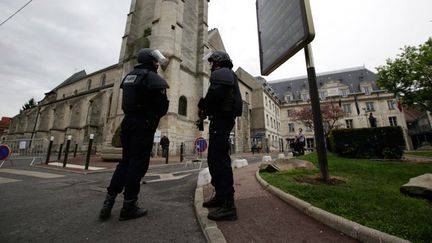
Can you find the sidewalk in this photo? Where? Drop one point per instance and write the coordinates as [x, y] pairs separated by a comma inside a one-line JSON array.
[[267, 214], [262, 217]]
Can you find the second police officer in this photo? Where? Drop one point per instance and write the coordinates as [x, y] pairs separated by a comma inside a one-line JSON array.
[[221, 104], [144, 103]]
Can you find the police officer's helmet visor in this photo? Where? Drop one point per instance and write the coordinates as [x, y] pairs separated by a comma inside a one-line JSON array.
[[207, 56], [156, 54], [220, 57]]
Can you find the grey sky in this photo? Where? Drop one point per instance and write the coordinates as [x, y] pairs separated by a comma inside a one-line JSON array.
[[51, 39]]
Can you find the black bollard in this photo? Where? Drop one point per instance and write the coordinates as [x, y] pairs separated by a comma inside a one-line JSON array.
[[69, 138], [76, 148], [166, 154], [181, 152], [60, 151], [49, 150], [89, 151]]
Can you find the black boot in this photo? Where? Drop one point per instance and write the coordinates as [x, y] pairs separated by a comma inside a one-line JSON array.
[[131, 210], [108, 204], [228, 211], [213, 203]]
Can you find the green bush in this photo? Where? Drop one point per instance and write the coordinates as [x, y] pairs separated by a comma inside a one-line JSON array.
[[115, 141], [380, 142]]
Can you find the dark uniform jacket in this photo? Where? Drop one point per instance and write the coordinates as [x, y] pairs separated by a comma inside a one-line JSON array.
[[223, 98], [144, 93]]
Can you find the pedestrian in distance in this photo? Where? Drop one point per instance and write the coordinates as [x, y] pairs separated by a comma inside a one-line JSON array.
[[372, 120], [144, 103], [298, 144], [221, 104], [164, 142]]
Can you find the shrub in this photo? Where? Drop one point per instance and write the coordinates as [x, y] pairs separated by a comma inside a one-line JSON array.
[[380, 142], [115, 141]]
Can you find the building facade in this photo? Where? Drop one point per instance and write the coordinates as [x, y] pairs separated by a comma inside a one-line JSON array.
[[354, 90]]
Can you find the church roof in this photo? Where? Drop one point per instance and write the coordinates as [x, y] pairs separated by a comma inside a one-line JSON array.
[[75, 77], [350, 77]]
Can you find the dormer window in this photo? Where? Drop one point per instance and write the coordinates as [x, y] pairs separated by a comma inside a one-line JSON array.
[[287, 98], [366, 90], [344, 92], [322, 95], [305, 97]]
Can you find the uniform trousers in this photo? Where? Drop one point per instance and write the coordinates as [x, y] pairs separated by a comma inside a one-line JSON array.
[[137, 132], [218, 159]]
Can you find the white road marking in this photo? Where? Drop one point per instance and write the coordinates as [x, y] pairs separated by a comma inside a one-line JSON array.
[[76, 166], [7, 180], [165, 177], [31, 173]]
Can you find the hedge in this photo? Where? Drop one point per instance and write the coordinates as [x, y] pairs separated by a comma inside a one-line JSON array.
[[380, 142]]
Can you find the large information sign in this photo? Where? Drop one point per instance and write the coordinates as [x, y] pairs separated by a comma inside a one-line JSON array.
[[284, 28]]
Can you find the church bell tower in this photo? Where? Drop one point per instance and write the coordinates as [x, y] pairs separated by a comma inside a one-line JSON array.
[[178, 28]]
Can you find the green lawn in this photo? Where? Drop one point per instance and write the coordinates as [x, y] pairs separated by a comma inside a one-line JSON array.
[[370, 195], [419, 153]]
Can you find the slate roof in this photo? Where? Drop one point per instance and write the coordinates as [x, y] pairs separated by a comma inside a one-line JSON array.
[[75, 77], [351, 77]]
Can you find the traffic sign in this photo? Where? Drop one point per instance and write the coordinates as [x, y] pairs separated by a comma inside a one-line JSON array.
[[4, 152], [284, 28], [200, 145]]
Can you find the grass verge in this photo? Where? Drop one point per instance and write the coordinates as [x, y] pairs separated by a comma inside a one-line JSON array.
[[370, 195]]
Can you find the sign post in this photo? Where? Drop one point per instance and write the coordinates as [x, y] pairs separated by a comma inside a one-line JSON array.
[[316, 113], [284, 28]]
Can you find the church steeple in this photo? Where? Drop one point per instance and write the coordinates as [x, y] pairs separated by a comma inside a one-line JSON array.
[[178, 28]]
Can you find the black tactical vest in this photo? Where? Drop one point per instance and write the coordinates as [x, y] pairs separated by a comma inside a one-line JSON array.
[[144, 92], [232, 103]]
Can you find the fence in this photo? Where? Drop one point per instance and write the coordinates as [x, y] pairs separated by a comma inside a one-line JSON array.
[[190, 153], [237, 146], [26, 149]]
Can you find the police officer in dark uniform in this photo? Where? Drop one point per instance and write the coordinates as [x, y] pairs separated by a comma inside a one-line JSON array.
[[221, 104], [144, 103]]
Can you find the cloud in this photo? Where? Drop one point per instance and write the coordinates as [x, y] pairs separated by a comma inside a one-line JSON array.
[[50, 40]]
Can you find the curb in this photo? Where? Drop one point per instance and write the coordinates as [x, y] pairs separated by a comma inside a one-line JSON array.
[[209, 227], [348, 227]]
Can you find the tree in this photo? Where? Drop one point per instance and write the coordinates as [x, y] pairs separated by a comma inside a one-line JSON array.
[[30, 104], [330, 115], [409, 76]]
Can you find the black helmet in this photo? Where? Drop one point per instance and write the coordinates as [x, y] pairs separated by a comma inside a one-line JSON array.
[[221, 57], [147, 56]]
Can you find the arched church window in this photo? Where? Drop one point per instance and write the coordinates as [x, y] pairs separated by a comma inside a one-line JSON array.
[[103, 80], [89, 82], [182, 109]]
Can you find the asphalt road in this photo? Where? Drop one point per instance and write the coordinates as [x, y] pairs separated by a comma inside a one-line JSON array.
[[64, 207]]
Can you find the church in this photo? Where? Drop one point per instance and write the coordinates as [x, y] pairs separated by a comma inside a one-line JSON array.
[[90, 103]]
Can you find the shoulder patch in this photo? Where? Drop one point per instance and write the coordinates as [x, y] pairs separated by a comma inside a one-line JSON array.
[[130, 79]]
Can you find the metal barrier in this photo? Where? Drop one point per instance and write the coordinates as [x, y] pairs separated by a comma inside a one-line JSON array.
[[190, 154], [26, 149], [238, 146]]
